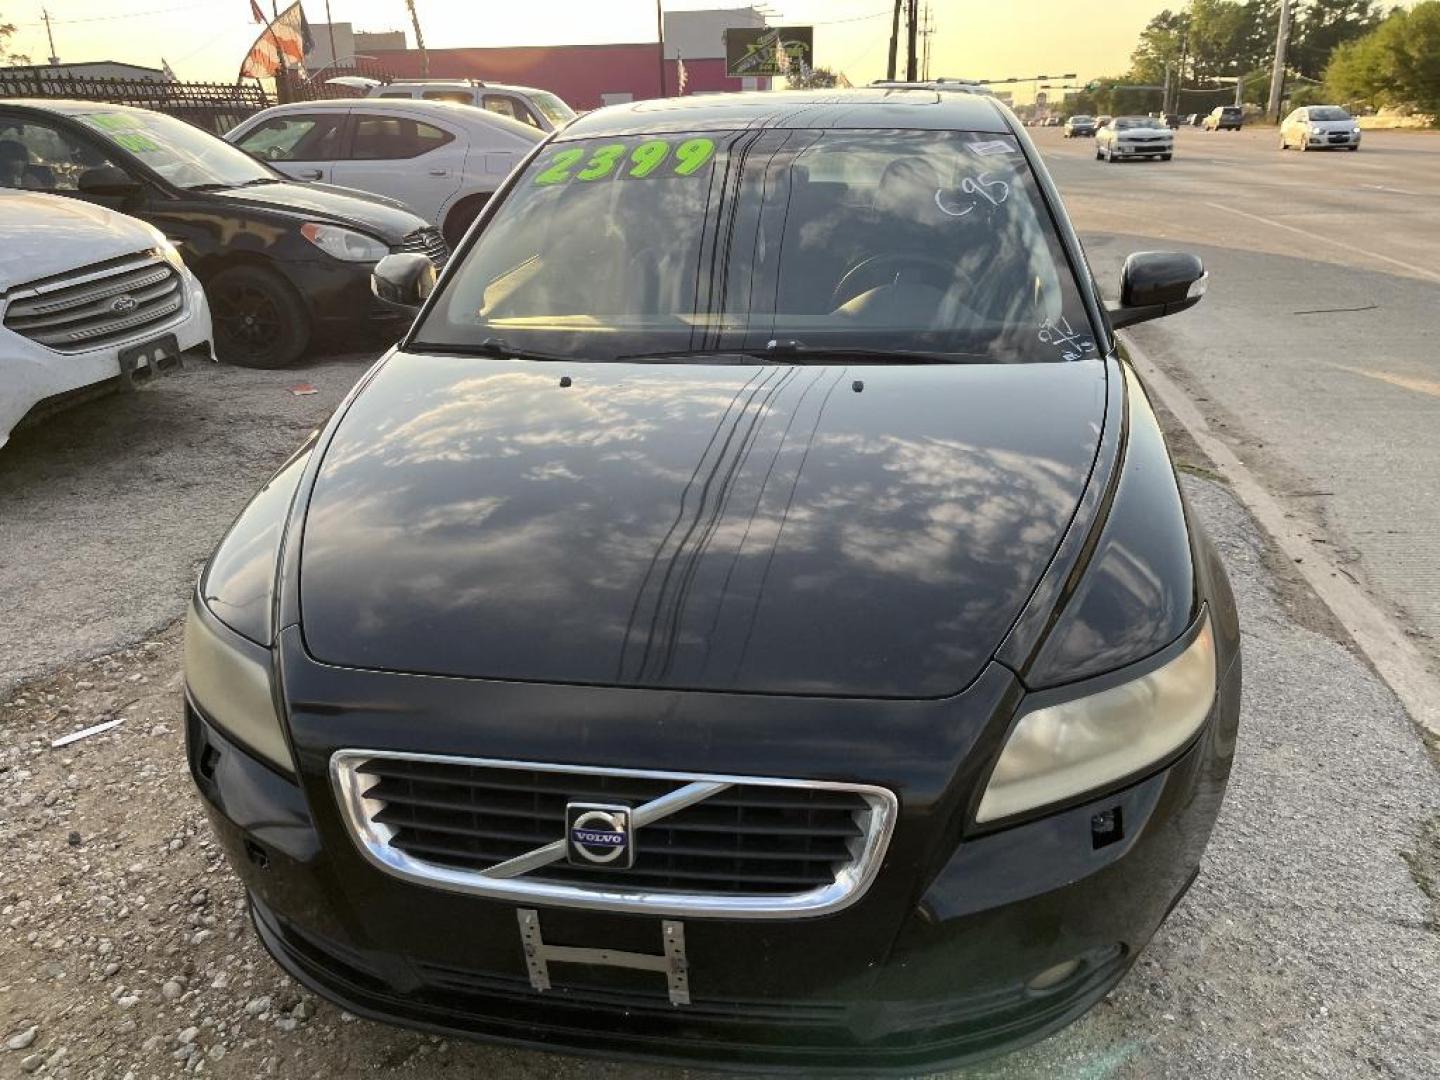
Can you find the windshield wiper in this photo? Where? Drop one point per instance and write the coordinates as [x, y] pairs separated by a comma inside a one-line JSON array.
[[497, 348], [209, 186], [260, 180], [795, 352]]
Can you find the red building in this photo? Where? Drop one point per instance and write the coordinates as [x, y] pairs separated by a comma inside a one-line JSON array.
[[586, 76]]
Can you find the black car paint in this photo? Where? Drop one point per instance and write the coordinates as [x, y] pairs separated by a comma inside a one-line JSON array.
[[927, 968], [254, 225]]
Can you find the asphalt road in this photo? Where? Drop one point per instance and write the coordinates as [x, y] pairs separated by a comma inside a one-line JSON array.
[[1317, 350]]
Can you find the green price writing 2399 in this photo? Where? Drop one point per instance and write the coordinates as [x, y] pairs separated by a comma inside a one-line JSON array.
[[624, 160]]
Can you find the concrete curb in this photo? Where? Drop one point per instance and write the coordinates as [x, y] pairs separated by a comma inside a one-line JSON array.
[[1376, 634]]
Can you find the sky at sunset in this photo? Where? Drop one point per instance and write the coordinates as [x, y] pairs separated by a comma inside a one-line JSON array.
[[206, 39]]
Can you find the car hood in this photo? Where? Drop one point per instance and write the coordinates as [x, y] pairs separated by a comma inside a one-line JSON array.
[[820, 530], [382, 217], [49, 234], [1332, 125]]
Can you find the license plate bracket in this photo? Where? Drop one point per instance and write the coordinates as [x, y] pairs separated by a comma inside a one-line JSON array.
[[140, 364], [672, 963]]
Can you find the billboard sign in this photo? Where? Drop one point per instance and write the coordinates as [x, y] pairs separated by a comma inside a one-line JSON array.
[[769, 50]]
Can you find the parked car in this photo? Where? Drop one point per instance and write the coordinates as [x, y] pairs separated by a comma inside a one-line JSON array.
[[89, 300], [1082, 127], [828, 665], [1134, 137], [1320, 127], [440, 160], [1224, 118], [1194, 119], [281, 262], [540, 109], [1172, 121]]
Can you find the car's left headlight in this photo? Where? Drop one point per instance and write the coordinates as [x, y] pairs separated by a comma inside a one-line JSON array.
[[1059, 751], [345, 244], [229, 678]]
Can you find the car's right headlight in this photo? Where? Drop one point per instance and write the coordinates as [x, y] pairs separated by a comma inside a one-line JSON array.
[[345, 244], [1060, 751]]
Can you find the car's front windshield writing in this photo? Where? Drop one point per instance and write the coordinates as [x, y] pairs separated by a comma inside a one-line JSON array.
[[179, 152], [888, 240]]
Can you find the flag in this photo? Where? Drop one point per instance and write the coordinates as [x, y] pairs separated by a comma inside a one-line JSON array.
[[169, 71], [257, 13], [682, 76], [281, 45]]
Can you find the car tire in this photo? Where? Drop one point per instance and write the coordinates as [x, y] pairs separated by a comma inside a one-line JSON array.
[[259, 320], [1352, 149], [1166, 157], [1099, 154], [1283, 144], [461, 216]]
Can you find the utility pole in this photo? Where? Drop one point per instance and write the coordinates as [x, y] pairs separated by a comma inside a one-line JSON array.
[[660, 36], [1277, 76], [894, 41], [927, 31], [912, 56], [419, 39], [51, 35], [1180, 80], [330, 26]]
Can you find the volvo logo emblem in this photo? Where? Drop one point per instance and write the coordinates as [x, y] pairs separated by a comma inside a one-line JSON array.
[[599, 834], [123, 305]]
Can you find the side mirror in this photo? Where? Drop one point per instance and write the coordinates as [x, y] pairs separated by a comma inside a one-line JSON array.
[[1158, 283], [107, 180], [403, 280]]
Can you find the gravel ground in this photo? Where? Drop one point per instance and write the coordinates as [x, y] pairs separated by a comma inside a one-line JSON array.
[[1309, 946], [111, 507]]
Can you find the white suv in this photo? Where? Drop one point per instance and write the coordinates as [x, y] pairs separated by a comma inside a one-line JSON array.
[[89, 299], [540, 109], [443, 161]]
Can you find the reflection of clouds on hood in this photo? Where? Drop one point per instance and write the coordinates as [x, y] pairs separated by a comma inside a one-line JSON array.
[[734, 527]]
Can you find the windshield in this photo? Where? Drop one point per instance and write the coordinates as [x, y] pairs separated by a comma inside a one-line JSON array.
[[870, 240], [1126, 122], [181, 153], [1080, 119], [1328, 112], [555, 110]]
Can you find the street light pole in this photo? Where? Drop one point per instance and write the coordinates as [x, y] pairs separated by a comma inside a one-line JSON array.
[[1277, 76], [912, 59], [894, 41]]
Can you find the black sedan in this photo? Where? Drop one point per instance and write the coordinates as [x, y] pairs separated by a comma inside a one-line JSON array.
[[751, 618], [282, 263]]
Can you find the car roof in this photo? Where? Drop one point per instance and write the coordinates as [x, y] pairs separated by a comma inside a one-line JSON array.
[[69, 106], [870, 107], [457, 111]]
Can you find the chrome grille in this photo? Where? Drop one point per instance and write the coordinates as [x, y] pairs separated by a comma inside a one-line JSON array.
[[428, 242], [97, 305], [745, 847]]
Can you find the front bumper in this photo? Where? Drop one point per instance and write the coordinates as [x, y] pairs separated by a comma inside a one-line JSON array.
[[927, 970], [34, 378], [1333, 140]]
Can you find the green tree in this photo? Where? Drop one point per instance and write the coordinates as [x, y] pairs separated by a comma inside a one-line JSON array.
[[7, 31], [813, 79], [1159, 47], [1321, 26], [1398, 63]]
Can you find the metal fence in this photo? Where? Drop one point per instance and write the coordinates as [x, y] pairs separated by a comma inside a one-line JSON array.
[[215, 107]]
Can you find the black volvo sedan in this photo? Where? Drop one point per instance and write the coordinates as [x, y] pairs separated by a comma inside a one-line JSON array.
[[281, 262], [751, 619]]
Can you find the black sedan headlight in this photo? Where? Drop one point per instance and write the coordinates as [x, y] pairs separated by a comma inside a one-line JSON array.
[[1060, 751]]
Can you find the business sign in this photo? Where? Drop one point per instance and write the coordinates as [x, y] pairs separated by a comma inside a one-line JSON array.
[[769, 50]]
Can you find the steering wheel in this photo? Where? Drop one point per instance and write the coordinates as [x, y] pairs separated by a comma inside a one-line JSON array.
[[942, 272]]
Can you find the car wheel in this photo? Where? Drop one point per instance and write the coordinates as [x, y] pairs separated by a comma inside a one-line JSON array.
[[1352, 149], [259, 321], [1166, 157], [1099, 154], [460, 217]]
